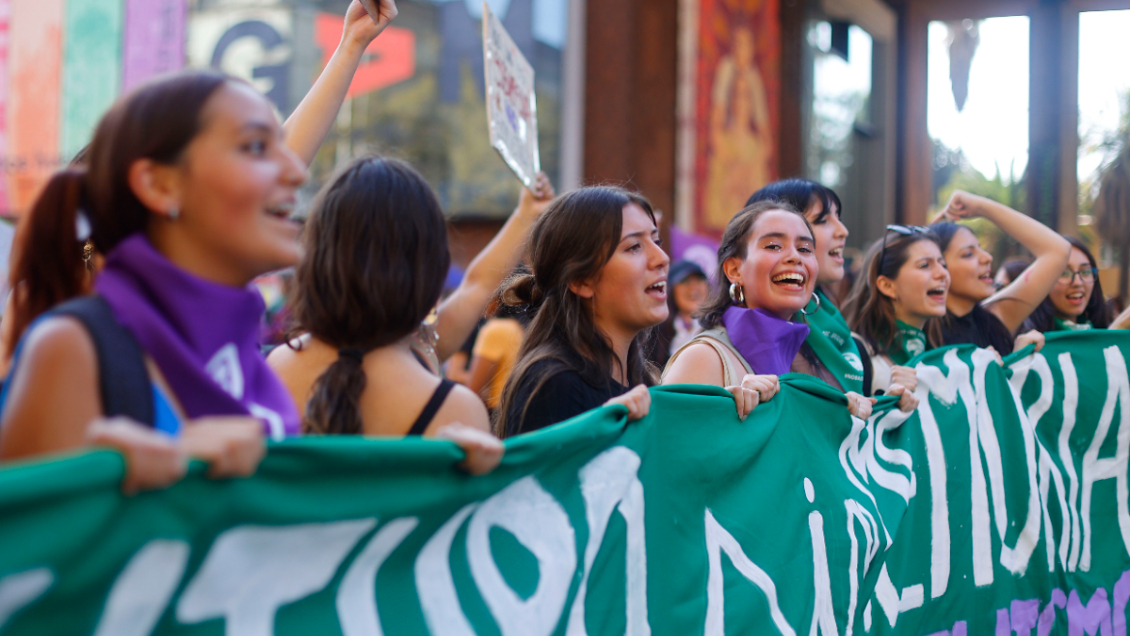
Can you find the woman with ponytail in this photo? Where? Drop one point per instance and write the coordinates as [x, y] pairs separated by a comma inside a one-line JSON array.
[[598, 282], [52, 273], [375, 260], [187, 190]]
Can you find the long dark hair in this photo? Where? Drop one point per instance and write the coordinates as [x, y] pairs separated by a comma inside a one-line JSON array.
[[992, 329], [156, 121], [735, 244], [1096, 312], [799, 193], [869, 312], [375, 260], [570, 242]]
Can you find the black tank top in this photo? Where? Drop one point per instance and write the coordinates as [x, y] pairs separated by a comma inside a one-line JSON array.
[[432, 407]]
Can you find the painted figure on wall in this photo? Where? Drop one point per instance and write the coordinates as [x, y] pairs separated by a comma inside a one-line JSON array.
[[741, 135], [736, 84]]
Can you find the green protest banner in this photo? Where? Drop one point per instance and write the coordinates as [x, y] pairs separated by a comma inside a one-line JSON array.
[[1001, 506]]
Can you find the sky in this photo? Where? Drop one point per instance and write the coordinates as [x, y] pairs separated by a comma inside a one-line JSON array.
[[993, 127]]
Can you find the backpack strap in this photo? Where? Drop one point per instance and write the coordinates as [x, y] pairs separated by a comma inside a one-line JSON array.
[[123, 378]]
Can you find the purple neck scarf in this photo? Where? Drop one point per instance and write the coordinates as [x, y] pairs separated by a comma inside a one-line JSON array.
[[204, 336], [768, 343]]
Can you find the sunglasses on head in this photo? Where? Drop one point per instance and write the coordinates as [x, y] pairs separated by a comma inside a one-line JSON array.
[[904, 230]]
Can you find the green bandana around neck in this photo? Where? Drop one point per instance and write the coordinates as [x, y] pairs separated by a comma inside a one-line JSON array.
[[831, 341], [909, 342], [1062, 324]]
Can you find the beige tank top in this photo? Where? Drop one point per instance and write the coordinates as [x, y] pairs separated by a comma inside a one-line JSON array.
[[717, 339]]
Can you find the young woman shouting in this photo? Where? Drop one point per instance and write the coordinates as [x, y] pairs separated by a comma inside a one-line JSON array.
[[598, 282], [768, 258]]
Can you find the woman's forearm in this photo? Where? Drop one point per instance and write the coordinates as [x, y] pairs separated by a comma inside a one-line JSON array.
[[460, 312], [1013, 304], [310, 123]]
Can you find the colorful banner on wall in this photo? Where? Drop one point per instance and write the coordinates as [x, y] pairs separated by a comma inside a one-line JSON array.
[[62, 64], [1000, 506], [154, 39], [728, 107], [92, 68]]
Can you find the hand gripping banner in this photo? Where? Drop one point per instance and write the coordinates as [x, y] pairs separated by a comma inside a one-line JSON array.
[[1000, 507]]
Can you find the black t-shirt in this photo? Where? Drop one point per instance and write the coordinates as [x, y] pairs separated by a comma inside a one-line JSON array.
[[979, 327], [565, 394]]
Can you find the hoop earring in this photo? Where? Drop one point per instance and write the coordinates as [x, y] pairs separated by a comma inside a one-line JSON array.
[[815, 297], [737, 294]]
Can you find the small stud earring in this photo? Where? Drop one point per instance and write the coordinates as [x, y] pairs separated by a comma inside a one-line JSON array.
[[174, 213]]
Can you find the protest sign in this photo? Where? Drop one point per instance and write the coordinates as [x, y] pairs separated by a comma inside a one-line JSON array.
[[1000, 506], [511, 103]]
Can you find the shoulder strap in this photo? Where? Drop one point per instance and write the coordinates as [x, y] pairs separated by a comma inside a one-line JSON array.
[[865, 358], [432, 407], [730, 375], [123, 379]]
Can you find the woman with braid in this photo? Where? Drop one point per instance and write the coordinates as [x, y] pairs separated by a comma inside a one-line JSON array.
[[374, 265]]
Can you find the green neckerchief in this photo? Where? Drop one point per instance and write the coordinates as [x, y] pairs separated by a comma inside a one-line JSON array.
[[831, 341], [909, 342], [1066, 325]]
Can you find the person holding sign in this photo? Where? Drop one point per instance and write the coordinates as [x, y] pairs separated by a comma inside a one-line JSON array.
[[768, 257], [598, 281]]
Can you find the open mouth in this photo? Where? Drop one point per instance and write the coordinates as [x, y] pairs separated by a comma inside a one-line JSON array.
[[281, 211], [986, 278], [789, 280], [658, 289], [936, 293], [837, 253], [1076, 297]]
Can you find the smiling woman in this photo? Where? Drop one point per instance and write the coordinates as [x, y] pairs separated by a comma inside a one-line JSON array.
[[598, 283], [768, 256], [187, 191]]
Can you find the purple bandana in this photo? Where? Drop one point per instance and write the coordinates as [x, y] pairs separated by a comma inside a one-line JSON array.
[[768, 343], [204, 336]]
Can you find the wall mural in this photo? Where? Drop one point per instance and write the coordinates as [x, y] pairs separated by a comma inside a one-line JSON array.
[[417, 95], [728, 107]]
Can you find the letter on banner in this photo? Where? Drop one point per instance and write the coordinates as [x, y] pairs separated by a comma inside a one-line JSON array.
[[252, 571], [538, 522]]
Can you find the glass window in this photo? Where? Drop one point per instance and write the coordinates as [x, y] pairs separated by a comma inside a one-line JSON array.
[[841, 94], [977, 108], [1104, 100]]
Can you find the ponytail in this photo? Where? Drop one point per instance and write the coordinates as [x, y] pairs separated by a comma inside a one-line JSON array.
[[48, 265], [333, 407]]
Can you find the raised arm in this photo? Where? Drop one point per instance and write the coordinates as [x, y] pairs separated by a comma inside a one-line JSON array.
[[1015, 303], [308, 126], [458, 314]]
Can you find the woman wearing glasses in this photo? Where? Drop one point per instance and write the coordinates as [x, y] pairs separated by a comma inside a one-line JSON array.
[[975, 313], [768, 258], [1076, 301], [903, 285]]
